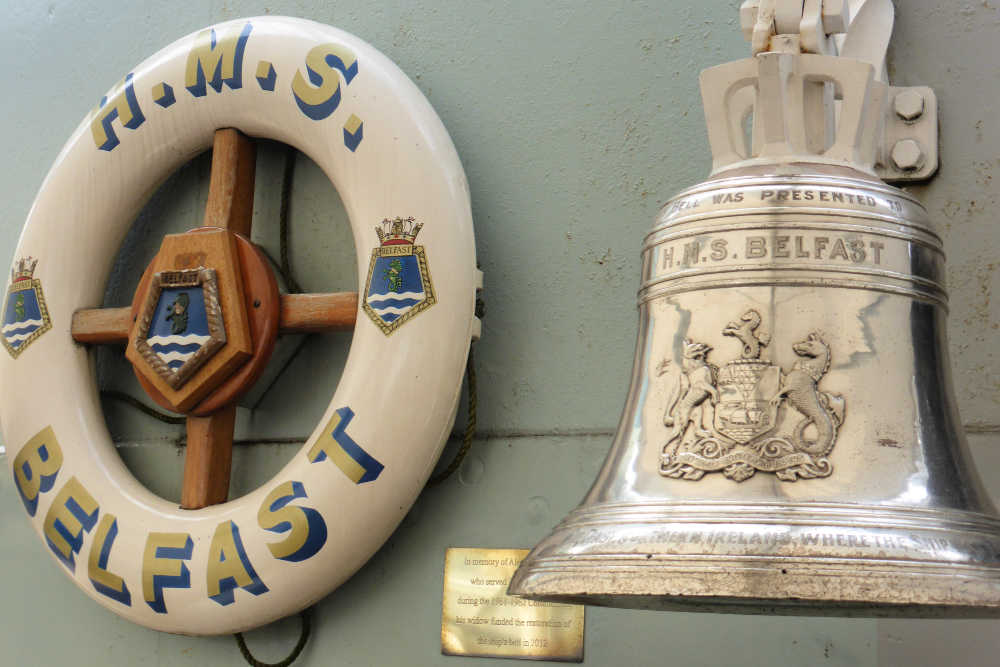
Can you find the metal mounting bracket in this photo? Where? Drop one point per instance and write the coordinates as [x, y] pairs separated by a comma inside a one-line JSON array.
[[909, 148]]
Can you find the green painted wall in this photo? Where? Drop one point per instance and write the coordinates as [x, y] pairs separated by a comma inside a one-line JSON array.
[[575, 121]]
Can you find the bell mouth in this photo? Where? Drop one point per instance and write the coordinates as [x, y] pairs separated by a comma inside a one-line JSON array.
[[772, 606], [825, 560]]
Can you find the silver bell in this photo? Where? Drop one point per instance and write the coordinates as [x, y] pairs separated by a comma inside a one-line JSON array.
[[790, 442]]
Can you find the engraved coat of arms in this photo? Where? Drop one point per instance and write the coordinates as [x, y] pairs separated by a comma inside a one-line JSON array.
[[750, 415]]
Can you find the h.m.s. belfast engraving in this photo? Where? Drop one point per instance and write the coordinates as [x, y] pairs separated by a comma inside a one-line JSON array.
[[750, 414]]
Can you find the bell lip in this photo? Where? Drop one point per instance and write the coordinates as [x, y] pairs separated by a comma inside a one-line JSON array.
[[771, 606], [792, 590], [636, 555]]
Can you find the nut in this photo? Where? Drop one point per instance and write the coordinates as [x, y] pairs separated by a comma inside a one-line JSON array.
[[908, 105], [907, 155]]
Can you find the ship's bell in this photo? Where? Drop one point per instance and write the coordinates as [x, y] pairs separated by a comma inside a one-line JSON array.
[[790, 441]]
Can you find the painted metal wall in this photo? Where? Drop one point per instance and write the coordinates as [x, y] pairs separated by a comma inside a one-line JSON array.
[[575, 120]]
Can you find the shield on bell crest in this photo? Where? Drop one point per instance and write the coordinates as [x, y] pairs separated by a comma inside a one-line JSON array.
[[746, 408]]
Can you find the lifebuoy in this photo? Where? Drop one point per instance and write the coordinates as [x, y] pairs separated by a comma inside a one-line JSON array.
[[230, 567]]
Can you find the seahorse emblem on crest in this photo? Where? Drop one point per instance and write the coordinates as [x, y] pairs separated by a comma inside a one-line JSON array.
[[749, 415]]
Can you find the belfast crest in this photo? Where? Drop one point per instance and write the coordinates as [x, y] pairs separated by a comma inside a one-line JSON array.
[[182, 325], [25, 317], [399, 282], [749, 414]]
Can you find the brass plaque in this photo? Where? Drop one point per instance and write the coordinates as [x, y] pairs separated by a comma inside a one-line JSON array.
[[478, 618]]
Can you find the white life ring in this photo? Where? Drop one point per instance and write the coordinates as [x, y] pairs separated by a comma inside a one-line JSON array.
[[234, 566]]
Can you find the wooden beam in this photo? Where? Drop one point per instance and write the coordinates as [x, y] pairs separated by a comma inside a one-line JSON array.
[[208, 460], [230, 188], [300, 313], [318, 313], [209, 456], [102, 326]]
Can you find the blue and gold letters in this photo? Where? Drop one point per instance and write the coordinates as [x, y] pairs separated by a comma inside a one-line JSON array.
[[36, 467], [163, 567], [73, 513], [228, 566], [121, 104], [320, 96], [105, 582], [215, 61], [305, 527], [221, 59]]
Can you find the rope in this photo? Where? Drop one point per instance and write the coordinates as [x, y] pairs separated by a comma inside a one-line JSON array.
[[470, 424], [301, 644], [139, 405], [286, 196]]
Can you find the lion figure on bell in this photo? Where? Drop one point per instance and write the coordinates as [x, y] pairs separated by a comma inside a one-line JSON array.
[[687, 401]]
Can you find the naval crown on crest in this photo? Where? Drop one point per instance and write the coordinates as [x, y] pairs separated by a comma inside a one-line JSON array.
[[23, 269], [396, 231]]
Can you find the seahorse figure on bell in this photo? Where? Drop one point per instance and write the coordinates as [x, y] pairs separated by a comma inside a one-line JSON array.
[[823, 410]]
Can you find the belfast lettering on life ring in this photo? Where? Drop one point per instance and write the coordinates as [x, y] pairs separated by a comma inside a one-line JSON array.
[[234, 566]]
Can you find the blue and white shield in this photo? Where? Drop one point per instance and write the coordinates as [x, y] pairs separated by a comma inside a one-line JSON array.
[[25, 316], [398, 287], [179, 328]]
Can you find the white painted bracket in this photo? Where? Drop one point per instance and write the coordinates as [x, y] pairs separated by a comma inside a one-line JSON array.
[[786, 97], [814, 20], [817, 90], [909, 146], [477, 323]]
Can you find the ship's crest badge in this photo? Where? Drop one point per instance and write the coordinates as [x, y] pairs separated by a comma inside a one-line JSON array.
[[399, 282], [750, 415], [25, 316], [182, 325]]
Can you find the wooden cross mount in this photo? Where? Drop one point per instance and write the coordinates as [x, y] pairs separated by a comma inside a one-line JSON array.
[[198, 353]]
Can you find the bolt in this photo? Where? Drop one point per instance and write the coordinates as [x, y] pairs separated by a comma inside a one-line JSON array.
[[909, 105], [907, 155]]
